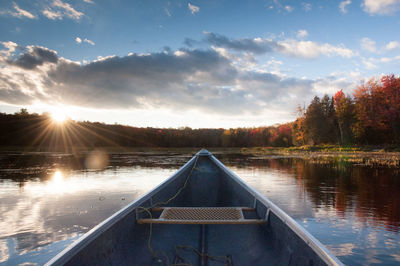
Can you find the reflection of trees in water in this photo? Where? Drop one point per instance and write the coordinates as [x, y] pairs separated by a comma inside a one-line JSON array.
[[378, 194], [372, 193]]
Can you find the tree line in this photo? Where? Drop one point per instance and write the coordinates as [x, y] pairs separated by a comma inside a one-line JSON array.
[[370, 116], [23, 129]]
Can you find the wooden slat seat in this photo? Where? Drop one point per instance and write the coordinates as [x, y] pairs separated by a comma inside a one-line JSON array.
[[202, 215]]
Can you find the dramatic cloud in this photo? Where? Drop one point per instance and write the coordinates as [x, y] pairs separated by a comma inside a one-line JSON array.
[[257, 45], [343, 6], [194, 9], [34, 56], [20, 13], [59, 10], [368, 45], [293, 48], [381, 7], [393, 45], [200, 80]]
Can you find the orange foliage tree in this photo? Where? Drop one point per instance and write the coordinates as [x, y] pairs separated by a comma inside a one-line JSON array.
[[377, 108], [344, 110]]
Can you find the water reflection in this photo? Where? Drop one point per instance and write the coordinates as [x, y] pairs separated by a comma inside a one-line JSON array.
[[371, 194], [56, 205], [48, 200], [57, 177], [354, 210]]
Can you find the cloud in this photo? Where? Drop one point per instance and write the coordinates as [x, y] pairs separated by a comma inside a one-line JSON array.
[[302, 34], [194, 9], [289, 8], [393, 45], [33, 57], [310, 50], [332, 83], [59, 10], [343, 6], [69, 11], [293, 48], [53, 15], [200, 80], [89, 41], [306, 6], [369, 63], [386, 59], [167, 11], [20, 13], [79, 41], [256, 45], [368, 45], [88, 1], [389, 59], [381, 7], [372, 62], [10, 46], [190, 42]]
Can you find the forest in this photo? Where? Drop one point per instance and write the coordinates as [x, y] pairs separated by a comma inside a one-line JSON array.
[[370, 116]]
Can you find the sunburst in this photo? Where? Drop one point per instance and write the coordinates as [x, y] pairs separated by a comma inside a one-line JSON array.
[[58, 115]]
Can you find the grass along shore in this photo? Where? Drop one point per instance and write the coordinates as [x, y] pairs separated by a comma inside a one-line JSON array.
[[323, 154]]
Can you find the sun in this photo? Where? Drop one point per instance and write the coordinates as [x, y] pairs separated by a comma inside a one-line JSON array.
[[58, 116]]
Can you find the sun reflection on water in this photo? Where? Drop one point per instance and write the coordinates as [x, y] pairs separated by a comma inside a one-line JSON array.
[[57, 176], [56, 184]]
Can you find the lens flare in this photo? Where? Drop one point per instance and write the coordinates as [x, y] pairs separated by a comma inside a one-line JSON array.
[[97, 159]]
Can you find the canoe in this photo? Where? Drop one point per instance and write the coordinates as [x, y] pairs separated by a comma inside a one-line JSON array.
[[204, 214]]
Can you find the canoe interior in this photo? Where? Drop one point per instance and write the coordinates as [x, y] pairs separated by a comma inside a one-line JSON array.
[[124, 241]]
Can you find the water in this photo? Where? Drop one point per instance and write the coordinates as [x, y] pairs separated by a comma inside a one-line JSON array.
[[48, 200]]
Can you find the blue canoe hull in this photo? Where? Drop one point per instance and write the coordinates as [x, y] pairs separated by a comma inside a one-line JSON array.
[[201, 182]]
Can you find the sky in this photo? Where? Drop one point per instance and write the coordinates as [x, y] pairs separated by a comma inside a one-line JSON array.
[[202, 64]]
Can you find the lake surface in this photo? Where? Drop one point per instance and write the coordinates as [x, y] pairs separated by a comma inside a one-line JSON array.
[[48, 200]]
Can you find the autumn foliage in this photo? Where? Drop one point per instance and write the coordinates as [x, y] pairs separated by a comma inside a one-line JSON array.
[[370, 116], [377, 111]]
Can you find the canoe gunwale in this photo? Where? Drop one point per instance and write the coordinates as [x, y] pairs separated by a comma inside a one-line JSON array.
[[66, 254], [310, 240]]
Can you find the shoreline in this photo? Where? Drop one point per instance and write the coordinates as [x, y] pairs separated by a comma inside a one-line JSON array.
[[369, 156]]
